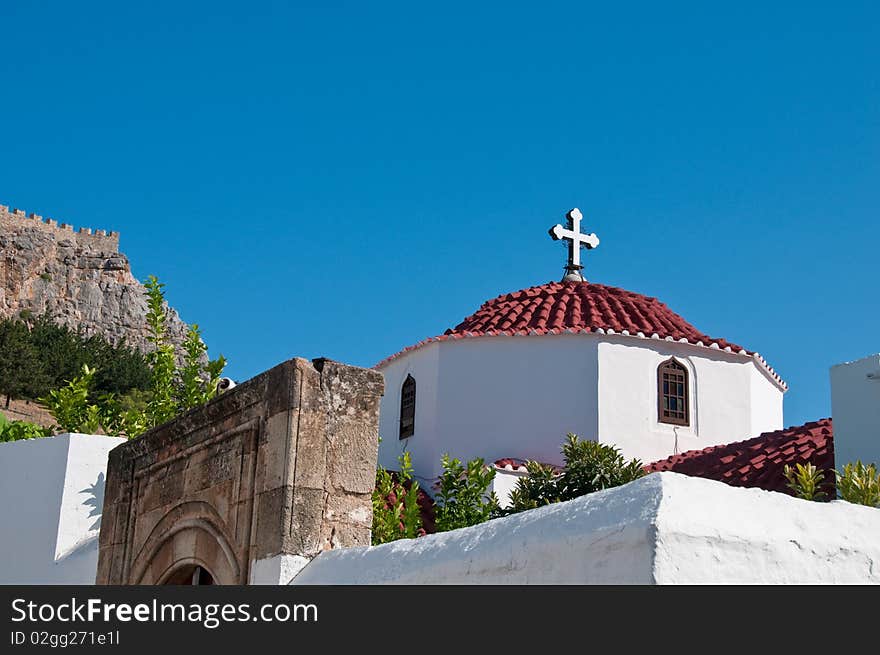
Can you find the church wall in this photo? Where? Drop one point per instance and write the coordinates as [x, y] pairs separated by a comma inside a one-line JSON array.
[[491, 397], [855, 405], [766, 404], [423, 446], [721, 393], [496, 397], [516, 396], [55, 489]]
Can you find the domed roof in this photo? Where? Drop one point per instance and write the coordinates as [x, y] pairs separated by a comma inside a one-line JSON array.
[[577, 306], [582, 307]]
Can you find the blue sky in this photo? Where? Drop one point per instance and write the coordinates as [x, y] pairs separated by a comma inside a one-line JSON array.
[[345, 179]]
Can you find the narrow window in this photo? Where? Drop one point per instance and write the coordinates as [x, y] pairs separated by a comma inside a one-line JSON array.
[[408, 407], [673, 397]]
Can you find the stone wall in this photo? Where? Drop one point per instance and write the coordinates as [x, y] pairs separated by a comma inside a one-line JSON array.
[[281, 465], [77, 277]]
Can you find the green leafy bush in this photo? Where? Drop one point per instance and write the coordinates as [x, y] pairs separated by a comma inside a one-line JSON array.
[[462, 498], [172, 390], [589, 466], [70, 405], [19, 430], [859, 483], [396, 513], [805, 480]]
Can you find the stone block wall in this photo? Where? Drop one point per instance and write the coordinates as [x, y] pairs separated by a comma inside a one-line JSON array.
[[281, 465]]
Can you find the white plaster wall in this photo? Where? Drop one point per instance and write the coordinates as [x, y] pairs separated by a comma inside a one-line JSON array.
[[855, 407], [423, 445], [495, 397], [491, 397], [504, 483], [516, 396], [766, 404], [665, 528], [603, 538], [761, 537], [53, 491], [277, 570], [727, 404]]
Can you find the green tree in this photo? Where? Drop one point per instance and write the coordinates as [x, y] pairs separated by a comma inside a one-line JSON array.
[[463, 498], [162, 406], [21, 373], [197, 380], [62, 352], [396, 512], [172, 389], [70, 405], [589, 466]]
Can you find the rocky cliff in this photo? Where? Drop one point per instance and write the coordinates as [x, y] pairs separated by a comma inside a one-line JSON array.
[[79, 278]]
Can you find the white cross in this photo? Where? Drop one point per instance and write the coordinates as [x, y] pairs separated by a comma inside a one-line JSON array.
[[576, 240]]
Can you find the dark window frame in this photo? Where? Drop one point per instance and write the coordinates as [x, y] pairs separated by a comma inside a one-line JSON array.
[[673, 405], [407, 421]]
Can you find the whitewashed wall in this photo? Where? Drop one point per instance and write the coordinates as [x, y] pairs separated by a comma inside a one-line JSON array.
[[731, 399], [497, 397], [492, 398], [53, 495], [424, 448], [662, 529], [855, 406]]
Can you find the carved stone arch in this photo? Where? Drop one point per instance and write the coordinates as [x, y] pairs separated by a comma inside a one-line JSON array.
[[189, 534]]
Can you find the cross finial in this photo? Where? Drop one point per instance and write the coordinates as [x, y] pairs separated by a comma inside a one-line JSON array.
[[572, 234]]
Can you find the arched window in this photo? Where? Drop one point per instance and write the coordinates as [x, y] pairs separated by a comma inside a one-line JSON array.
[[673, 395], [408, 407]]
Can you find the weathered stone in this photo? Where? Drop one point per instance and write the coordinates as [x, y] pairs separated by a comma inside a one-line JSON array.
[[80, 280], [276, 466]]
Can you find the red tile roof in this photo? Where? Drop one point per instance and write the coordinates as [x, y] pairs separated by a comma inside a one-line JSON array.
[[582, 307], [519, 465], [579, 306], [759, 462]]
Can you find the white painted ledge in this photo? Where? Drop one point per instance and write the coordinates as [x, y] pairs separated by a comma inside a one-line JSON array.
[[666, 528]]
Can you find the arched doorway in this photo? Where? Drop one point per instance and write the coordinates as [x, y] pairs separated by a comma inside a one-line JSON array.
[[191, 574], [188, 546]]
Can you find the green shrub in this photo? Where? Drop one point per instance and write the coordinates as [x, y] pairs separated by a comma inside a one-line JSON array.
[[172, 389], [19, 430], [396, 513], [463, 499], [859, 483], [70, 405], [589, 466], [805, 480]]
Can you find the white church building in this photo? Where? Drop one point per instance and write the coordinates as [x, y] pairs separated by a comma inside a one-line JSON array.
[[507, 384], [528, 367]]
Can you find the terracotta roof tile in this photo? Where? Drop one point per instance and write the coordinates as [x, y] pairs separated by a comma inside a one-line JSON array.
[[737, 465], [558, 307]]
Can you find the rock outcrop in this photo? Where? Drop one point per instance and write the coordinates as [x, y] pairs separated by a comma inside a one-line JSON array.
[[80, 279]]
